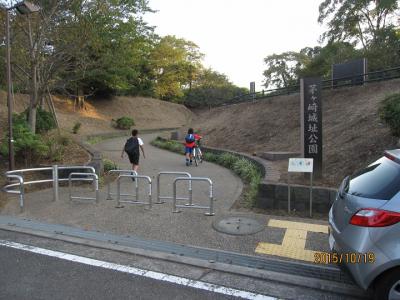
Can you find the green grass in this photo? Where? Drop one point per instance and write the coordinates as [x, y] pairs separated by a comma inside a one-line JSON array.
[[95, 139], [241, 166]]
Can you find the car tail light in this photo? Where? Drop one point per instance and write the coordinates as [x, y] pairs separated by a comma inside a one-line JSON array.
[[372, 217], [392, 157]]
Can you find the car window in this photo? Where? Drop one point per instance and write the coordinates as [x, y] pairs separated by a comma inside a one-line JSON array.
[[380, 180]]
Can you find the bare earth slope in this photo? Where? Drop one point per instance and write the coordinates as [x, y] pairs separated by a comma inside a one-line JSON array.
[[148, 113], [353, 134]]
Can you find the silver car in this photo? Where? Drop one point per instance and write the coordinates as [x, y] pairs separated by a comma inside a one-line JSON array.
[[364, 224]]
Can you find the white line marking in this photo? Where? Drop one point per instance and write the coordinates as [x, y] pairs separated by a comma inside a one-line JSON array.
[[139, 272]]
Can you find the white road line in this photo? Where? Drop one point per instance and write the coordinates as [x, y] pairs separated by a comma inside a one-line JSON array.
[[139, 272]]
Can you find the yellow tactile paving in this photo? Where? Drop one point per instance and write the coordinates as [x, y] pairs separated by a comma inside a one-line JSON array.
[[294, 241], [279, 250], [295, 238], [296, 234], [298, 225]]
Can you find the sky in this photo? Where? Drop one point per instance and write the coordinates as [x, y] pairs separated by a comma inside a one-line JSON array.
[[236, 35]]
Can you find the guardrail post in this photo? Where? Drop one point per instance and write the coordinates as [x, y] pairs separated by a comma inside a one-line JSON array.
[[119, 193], [211, 213], [96, 186], [136, 190], [175, 209], [150, 195], [190, 194], [55, 182], [21, 196], [158, 190]]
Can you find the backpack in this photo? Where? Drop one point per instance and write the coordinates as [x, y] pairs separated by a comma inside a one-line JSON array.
[[132, 146], [189, 138]]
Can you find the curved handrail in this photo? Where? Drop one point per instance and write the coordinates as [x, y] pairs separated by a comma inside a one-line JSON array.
[[18, 174]]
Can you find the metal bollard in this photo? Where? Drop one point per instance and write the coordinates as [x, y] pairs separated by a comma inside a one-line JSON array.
[[136, 201], [159, 197], [21, 191], [55, 182], [211, 197], [109, 194], [95, 179]]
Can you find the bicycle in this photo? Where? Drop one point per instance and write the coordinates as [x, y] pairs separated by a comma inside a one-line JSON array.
[[197, 155]]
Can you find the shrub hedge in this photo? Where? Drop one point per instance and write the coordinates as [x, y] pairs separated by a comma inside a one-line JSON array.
[[389, 112]]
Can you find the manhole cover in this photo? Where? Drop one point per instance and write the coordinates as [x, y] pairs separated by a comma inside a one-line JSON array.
[[238, 226]]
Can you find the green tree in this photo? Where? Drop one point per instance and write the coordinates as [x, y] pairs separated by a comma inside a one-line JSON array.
[[358, 21], [384, 52], [282, 69], [211, 88], [80, 46], [112, 45], [175, 63], [321, 58]]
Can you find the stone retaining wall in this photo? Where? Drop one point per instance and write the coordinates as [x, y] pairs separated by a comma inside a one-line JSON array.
[[274, 195]]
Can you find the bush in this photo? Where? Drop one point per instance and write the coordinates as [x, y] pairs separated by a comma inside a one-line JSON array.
[[44, 121], [76, 127], [27, 145], [125, 123], [109, 165], [56, 146], [63, 140], [389, 112]]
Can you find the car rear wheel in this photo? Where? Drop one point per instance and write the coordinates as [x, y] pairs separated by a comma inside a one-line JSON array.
[[388, 286]]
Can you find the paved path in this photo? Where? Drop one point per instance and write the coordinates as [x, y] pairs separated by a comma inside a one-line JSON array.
[[189, 227]]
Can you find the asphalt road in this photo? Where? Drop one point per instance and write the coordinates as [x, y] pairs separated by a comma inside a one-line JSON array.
[[28, 275]]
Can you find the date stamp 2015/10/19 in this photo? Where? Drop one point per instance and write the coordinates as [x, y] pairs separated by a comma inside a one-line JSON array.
[[346, 258]]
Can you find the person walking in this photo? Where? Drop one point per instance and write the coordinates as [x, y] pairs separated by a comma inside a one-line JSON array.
[[131, 148]]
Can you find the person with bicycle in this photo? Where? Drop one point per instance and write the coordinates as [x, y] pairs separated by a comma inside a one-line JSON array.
[[190, 143]]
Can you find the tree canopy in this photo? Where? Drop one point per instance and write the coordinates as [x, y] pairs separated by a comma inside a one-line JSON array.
[[355, 29]]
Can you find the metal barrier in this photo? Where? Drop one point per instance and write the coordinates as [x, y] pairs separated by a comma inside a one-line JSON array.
[[109, 197], [159, 197], [136, 201], [18, 174], [21, 189], [93, 178], [211, 207]]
